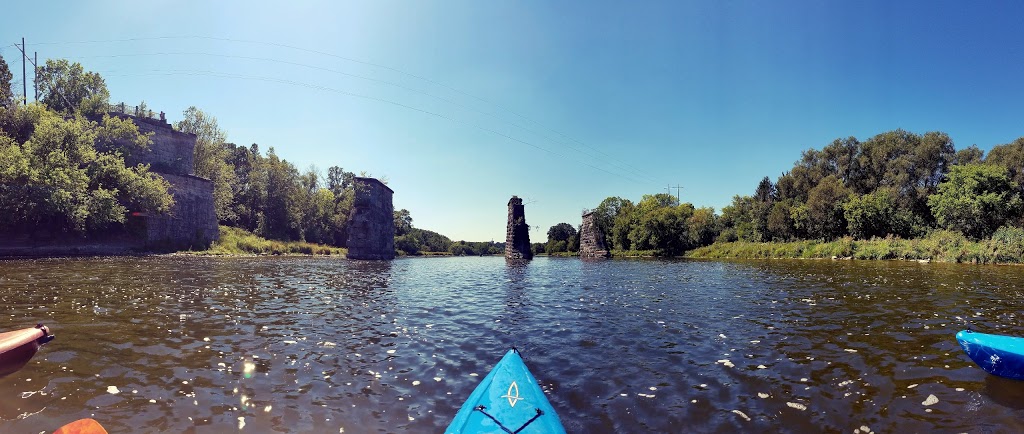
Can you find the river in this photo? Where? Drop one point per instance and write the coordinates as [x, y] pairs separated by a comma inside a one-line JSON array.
[[311, 345]]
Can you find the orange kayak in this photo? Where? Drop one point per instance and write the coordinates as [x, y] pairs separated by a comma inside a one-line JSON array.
[[18, 347], [82, 426]]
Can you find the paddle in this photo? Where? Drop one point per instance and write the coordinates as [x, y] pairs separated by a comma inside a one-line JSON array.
[[81, 426]]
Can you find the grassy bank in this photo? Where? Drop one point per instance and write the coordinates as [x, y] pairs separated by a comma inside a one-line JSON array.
[[235, 241], [634, 253], [559, 254], [1005, 247]]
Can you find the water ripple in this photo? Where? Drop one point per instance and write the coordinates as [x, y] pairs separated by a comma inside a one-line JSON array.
[[325, 344]]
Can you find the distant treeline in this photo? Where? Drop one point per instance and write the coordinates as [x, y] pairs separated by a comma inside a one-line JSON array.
[[62, 167], [895, 184]]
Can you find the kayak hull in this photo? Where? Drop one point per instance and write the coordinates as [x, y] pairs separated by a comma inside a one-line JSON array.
[[997, 354], [508, 399], [18, 347]]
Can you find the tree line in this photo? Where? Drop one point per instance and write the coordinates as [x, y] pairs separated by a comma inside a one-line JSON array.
[[895, 184], [64, 168]]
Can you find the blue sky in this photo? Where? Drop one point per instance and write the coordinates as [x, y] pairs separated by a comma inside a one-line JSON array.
[[461, 104]]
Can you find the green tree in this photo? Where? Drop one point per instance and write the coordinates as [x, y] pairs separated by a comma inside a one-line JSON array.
[[661, 225], [561, 232], [825, 201], [740, 220], [702, 226], [403, 222], [408, 244], [800, 216], [338, 180], [622, 224], [282, 213], [250, 189], [67, 88], [765, 191], [879, 214], [210, 160], [968, 155], [911, 164], [975, 200], [559, 237], [420, 240], [605, 213], [573, 243], [1010, 156], [58, 180], [6, 95], [780, 221]]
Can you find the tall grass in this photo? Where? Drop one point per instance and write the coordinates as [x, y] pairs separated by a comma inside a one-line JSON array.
[[633, 253], [236, 241], [1005, 247]]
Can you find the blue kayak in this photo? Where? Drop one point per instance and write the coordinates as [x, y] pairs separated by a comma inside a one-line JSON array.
[[996, 354], [508, 400]]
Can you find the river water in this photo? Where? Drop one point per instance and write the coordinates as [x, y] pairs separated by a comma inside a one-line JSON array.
[[311, 345]]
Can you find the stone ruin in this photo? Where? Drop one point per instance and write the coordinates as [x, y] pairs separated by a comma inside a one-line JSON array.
[[371, 227], [192, 220], [517, 235], [592, 239]]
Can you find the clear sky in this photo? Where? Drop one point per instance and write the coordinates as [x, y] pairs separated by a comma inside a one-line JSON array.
[[462, 104]]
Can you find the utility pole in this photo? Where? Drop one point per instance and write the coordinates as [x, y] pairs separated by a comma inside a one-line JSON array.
[[678, 188], [35, 73], [24, 85]]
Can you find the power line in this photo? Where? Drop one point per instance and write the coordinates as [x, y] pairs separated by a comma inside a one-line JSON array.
[[612, 162], [357, 95], [628, 167]]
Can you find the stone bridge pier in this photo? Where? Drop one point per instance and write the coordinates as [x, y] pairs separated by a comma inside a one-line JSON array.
[[592, 239], [371, 227], [517, 234]]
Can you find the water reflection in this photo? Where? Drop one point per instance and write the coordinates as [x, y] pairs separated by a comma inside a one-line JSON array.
[[1005, 392], [516, 294]]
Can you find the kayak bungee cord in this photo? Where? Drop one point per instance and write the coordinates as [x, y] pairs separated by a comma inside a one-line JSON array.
[[481, 409]]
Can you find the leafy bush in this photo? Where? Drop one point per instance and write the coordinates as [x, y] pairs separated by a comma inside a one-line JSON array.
[[235, 241]]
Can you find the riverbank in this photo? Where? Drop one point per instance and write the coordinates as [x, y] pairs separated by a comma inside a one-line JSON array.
[[1005, 247], [236, 241]]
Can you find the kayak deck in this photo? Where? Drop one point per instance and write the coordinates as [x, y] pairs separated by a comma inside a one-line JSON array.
[[997, 354], [18, 347], [507, 400]]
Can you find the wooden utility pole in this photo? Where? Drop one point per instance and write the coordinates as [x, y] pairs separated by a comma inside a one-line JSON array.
[[35, 73], [24, 84], [678, 188]]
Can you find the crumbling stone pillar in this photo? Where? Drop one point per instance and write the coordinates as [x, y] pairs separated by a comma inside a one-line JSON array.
[[592, 239], [371, 227], [517, 235]]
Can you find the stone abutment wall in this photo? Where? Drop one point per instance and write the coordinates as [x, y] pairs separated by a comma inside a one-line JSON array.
[[591, 239], [371, 227], [171, 151], [517, 234], [191, 222]]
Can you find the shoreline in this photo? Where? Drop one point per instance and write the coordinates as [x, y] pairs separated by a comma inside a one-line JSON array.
[[939, 247]]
